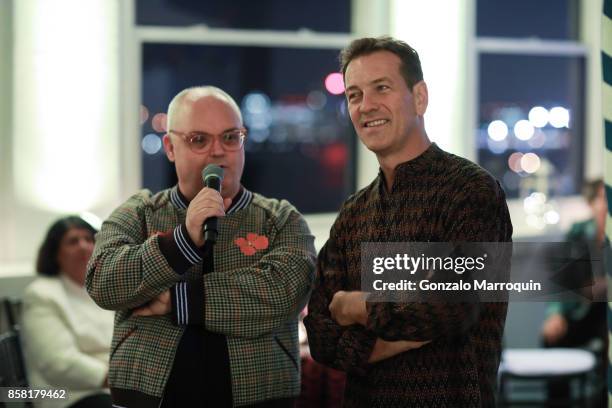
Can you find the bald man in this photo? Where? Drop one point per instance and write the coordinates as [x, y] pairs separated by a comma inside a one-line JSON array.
[[214, 325]]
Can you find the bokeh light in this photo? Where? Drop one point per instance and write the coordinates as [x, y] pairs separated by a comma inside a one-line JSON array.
[[497, 130], [497, 147], [538, 140], [523, 129], [334, 83], [256, 102], [151, 143], [159, 122], [551, 217], [559, 117], [144, 114], [316, 100], [514, 162], [530, 163], [538, 116]]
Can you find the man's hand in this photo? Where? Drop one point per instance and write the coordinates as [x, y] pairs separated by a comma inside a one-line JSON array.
[[206, 204], [348, 308], [156, 307], [554, 328]]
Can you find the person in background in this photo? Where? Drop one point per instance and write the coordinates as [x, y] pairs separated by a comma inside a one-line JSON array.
[[66, 336], [582, 324]]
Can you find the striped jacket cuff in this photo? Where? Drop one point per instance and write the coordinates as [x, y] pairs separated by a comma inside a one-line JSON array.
[[180, 311], [188, 302], [179, 250]]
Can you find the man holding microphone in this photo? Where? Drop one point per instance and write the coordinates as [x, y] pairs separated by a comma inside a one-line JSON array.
[[198, 320]]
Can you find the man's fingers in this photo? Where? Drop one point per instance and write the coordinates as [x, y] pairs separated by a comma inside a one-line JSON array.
[[158, 306], [210, 209], [152, 310], [142, 311], [211, 206], [208, 194]]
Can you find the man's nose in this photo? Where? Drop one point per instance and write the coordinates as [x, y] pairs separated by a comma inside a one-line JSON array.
[[368, 103], [217, 148]]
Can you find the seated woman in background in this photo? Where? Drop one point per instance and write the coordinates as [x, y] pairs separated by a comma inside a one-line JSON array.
[[66, 336], [576, 324], [583, 324]]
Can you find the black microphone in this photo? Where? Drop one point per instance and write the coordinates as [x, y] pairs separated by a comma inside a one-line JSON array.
[[212, 176]]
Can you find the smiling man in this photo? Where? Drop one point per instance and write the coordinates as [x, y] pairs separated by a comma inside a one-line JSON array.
[[200, 324], [405, 354]]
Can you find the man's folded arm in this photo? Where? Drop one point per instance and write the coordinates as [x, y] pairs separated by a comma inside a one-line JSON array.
[[344, 348], [127, 268], [253, 301], [421, 321], [480, 215]]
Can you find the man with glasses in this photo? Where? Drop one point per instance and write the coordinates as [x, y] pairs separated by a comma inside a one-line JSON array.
[[196, 323]]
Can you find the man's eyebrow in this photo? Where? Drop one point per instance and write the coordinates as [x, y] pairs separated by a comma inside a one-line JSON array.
[[374, 82], [379, 80], [223, 131]]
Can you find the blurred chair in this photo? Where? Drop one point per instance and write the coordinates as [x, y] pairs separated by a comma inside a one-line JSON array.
[[12, 367], [526, 371]]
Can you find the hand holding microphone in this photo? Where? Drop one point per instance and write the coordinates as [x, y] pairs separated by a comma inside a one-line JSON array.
[[206, 207]]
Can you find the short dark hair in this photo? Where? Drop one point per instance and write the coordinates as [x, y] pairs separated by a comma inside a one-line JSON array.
[[46, 262], [590, 189], [410, 67]]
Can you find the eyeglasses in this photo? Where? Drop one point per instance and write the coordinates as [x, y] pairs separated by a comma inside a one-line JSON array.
[[200, 142]]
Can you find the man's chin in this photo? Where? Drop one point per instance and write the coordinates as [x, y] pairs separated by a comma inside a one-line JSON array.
[[376, 148], [373, 142], [229, 190]]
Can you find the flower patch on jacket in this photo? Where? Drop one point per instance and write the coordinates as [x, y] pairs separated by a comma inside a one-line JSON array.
[[252, 243]]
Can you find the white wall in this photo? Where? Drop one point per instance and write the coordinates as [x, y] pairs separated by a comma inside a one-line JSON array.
[[6, 207], [60, 80]]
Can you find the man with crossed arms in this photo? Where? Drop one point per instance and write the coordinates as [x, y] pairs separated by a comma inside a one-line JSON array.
[[405, 354]]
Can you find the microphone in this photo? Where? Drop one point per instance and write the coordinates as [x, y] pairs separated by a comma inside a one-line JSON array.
[[212, 176]]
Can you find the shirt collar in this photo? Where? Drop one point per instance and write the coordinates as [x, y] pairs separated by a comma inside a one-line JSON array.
[[240, 201], [413, 167]]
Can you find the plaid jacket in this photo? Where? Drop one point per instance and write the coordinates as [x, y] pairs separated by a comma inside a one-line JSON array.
[[252, 297]]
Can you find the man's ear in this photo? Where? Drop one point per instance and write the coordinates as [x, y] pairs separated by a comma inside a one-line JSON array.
[[421, 97], [168, 147]]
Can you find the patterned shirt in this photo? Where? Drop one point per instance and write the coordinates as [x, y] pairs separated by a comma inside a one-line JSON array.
[[436, 197]]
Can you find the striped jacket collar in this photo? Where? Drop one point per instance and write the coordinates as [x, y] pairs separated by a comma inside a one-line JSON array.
[[240, 201]]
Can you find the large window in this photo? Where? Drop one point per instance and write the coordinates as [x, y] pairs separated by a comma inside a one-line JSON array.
[[301, 145], [531, 81], [531, 110]]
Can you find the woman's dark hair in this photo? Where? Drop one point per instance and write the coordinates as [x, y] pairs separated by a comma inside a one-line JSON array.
[[46, 262]]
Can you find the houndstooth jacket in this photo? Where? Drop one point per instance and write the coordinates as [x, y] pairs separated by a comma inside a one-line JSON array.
[[253, 296]]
